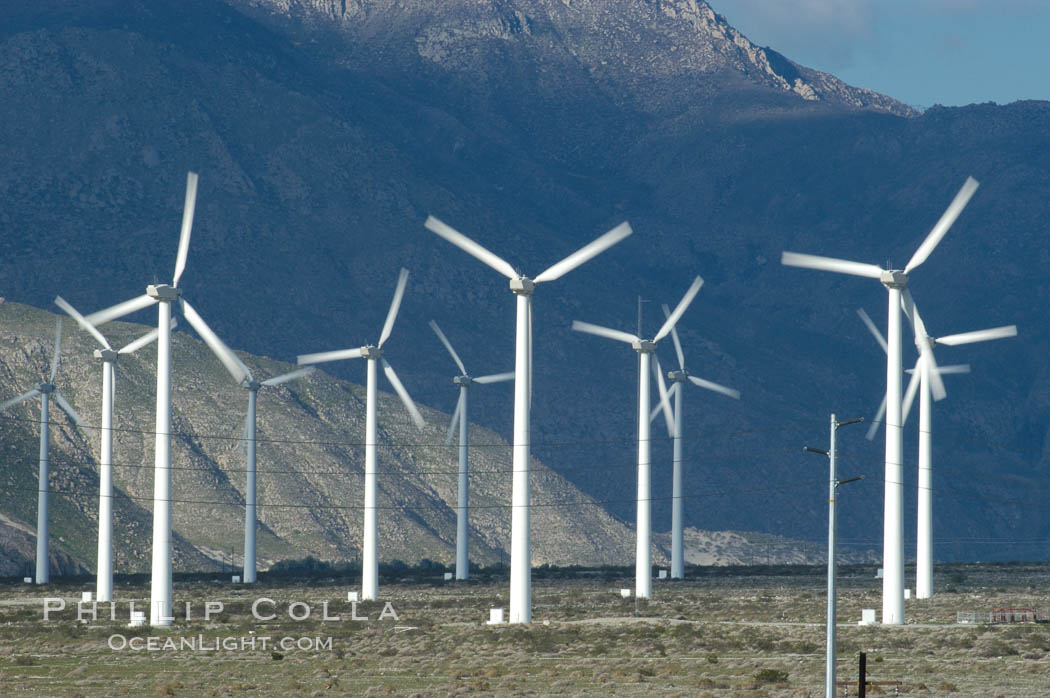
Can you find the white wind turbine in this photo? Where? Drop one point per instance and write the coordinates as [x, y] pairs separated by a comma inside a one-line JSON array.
[[45, 391], [921, 377], [674, 429], [643, 573], [108, 356], [464, 381], [161, 612], [374, 353], [895, 281], [522, 286]]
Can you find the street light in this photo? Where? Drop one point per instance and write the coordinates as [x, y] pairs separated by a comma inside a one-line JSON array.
[[833, 483]]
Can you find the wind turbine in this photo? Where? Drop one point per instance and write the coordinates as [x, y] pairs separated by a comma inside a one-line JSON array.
[[161, 612], [643, 573], [464, 381], [921, 376], [45, 391], [674, 428], [895, 281], [108, 356], [374, 353], [522, 287]]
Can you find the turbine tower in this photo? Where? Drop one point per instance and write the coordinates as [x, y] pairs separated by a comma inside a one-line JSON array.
[[45, 391], [674, 427], [895, 281], [108, 356], [161, 612], [464, 381], [921, 376], [643, 573], [374, 353], [522, 287]]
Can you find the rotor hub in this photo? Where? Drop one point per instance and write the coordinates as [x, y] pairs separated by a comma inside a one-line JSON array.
[[463, 380], [522, 286], [644, 346], [678, 376], [163, 292], [371, 352], [46, 388], [252, 385], [894, 279], [106, 354]]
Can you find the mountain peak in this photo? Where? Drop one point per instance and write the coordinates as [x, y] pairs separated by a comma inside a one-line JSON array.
[[656, 53]]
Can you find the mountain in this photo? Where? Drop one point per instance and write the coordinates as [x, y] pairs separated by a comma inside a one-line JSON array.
[[310, 465], [326, 132]]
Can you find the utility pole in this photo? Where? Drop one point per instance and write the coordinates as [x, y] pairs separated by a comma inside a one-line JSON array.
[[833, 483]]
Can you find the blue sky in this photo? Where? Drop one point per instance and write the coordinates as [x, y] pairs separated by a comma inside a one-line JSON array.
[[922, 52]]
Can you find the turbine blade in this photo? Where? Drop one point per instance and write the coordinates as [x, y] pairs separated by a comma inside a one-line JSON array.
[[841, 266], [455, 420], [290, 376], [979, 336], [243, 446], [939, 230], [326, 356], [659, 407], [495, 378], [470, 247], [72, 312], [20, 398], [233, 364], [187, 226], [145, 339], [873, 329], [395, 305], [683, 304], [913, 387], [585, 253], [68, 409], [101, 317], [403, 394], [674, 337], [58, 349], [665, 401], [604, 332], [877, 422], [936, 382], [448, 345], [735, 394], [529, 310], [954, 369]]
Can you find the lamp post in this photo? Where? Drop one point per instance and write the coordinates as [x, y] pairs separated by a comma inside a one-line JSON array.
[[833, 483]]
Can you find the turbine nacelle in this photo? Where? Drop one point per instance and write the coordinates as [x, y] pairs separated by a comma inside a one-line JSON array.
[[894, 278], [371, 352], [46, 388], [463, 380], [523, 285], [252, 385], [109, 355], [163, 293], [678, 376], [644, 346]]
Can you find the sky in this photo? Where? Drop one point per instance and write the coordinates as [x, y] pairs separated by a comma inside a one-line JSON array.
[[921, 52]]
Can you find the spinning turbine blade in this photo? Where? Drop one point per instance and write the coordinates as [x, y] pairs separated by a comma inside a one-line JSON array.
[[326, 356], [448, 345], [658, 408], [585, 253], [877, 421], [924, 345], [665, 401], [709, 385], [683, 304], [72, 312], [470, 247], [978, 336], [913, 387], [842, 266], [395, 305], [68, 409], [941, 227], [455, 420], [58, 349], [495, 378], [674, 336], [403, 394], [873, 329], [144, 339], [291, 375], [233, 364], [604, 332], [187, 225], [243, 446], [954, 368], [529, 306], [20, 398], [101, 317]]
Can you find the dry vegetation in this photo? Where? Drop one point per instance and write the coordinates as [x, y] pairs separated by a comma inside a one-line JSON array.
[[724, 631]]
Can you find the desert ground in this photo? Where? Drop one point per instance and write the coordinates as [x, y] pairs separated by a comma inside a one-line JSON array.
[[736, 631]]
